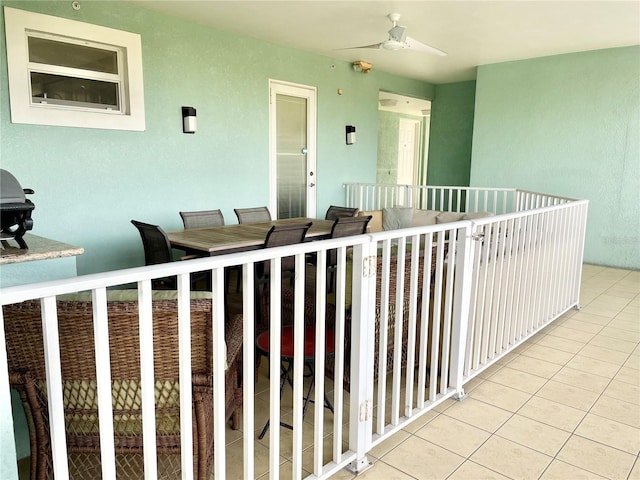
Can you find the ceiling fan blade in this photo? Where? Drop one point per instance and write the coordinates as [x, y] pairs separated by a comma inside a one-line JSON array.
[[375, 45], [414, 44]]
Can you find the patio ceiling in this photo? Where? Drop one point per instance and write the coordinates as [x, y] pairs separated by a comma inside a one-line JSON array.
[[471, 32]]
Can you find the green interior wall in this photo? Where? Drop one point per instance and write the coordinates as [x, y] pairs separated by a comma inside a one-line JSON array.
[[90, 183], [451, 134], [569, 125]]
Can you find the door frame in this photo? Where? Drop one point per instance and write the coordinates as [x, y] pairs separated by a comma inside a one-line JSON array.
[[310, 94], [416, 128]]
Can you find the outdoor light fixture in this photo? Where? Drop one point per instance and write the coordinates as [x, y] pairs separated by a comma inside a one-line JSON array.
[[189, 124], [351, 134]]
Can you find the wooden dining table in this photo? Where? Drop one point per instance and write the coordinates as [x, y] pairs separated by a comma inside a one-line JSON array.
[[239, 237]]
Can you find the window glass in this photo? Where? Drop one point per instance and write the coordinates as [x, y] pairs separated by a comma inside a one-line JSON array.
[[82, 92], [43, 50]]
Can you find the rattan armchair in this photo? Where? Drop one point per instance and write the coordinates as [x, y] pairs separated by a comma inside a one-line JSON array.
[[27, 374]]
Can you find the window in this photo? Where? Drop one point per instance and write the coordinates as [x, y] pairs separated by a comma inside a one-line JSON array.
[[68, 73]]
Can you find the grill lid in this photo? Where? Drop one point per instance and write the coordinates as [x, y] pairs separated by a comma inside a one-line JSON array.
[[10, 189]]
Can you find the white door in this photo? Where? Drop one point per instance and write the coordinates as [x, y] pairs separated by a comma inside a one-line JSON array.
[[408, 151], [292, 150]]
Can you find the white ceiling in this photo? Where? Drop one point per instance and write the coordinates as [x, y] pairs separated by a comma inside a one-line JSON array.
[[471, 32]]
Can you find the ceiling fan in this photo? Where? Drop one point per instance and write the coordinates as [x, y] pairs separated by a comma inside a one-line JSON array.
[[398, 41]]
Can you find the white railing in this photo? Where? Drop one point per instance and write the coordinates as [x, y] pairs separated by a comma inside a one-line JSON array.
[[374, 196], [447, 300]]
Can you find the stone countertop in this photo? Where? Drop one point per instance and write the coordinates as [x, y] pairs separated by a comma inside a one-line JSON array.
[[40, 248]]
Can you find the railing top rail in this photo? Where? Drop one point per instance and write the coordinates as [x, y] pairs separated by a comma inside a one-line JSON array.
[[450, 187], [550, 195], [526, 213]]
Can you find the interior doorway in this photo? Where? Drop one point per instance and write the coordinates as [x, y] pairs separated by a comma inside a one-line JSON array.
[[403, 139], [292, 150]]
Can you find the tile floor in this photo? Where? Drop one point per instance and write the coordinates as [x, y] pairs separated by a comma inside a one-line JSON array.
[[565, 405]]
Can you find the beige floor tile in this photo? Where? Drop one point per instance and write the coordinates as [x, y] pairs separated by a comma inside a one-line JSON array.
[[518, 379], [617, 333], [422, 421], [552, 413], [479, 414], [389, 444], [533, 434], [471, 470], [581, 325], [613, 344], [604, 354], [538, 367], [628, 375], [511, 459], [601, 320], [610, 432], [563, 471], [635, 471], [626, 322], [562, 344], [593, 365], [618, 410], [582, 379], [568, 395], [547, 354], [500, 395], [633, 362], [623, 391], [572, 334], [596, 457], [286, 472], [432, 462], [492, 370], [454, 435], [381, 470], [235, 463]]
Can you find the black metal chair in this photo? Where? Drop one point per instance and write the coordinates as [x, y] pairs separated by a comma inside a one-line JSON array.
[[157, 249], [202, 219], [278, 236], [334, 212], [342, 227], [253, 215]]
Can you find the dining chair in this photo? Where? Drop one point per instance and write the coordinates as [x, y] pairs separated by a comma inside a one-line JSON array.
[[277, 236], [342, 227], [334, 212], [211, 218], [157, 249], [202, 219], [253, 215]]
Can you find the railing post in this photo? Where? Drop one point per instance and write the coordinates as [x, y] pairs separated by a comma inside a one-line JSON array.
[[362, 345], [462, 298]]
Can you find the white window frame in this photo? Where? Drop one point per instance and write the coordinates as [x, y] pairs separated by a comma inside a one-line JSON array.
[[19, 24]]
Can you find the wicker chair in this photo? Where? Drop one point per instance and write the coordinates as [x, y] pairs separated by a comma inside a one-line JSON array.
[[253, 215], [334, 212], [27, 375], [202, 219]]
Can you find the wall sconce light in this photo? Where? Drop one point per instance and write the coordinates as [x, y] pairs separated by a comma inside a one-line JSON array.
[[351, 134], [189, 124]]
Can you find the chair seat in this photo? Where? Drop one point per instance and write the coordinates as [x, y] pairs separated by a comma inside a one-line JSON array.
[[286, 344]]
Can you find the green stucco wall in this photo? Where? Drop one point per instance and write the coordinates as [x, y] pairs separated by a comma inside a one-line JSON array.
[[451, 134], [569, 125], [90, 183]]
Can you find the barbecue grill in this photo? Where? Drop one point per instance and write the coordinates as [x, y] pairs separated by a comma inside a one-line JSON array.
[[15, 209]]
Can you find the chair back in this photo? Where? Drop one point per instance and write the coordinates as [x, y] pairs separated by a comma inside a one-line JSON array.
[[280, 235], [253, 215], [345, 227], [335, 212], [202, 219], [157, 248]]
